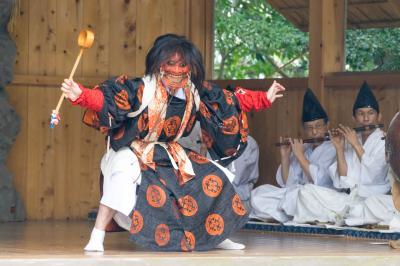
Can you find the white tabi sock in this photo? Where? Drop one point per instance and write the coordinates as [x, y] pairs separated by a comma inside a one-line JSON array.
[[229, 244], [96, 241]]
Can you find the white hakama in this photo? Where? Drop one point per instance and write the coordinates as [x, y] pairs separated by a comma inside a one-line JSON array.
[[268, 201], [122, 174], [365, 178]]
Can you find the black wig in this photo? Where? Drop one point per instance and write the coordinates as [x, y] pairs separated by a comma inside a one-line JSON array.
[[166, 46]]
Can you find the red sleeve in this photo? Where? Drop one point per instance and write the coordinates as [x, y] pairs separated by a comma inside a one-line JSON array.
[[252, 100], [90, 98]]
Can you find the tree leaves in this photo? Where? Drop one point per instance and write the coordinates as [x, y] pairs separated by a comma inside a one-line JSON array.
[[252, 40]]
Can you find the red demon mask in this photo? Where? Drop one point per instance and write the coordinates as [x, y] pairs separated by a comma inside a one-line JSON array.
[[175, 72]]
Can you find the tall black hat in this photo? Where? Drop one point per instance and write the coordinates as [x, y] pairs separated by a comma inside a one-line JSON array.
[[312, 109], [365, 98]]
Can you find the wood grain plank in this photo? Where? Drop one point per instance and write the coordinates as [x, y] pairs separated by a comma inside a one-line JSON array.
[[42, 50], [122, 39], [17, 158]]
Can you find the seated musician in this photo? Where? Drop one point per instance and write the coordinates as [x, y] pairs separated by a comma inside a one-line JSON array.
[[359, 174], [301, 163]]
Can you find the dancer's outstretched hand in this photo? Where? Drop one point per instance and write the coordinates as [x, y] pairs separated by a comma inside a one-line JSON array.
[[71, 89], [274, 91]]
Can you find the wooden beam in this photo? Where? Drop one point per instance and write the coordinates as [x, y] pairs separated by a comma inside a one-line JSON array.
[[288, 15], [326, 36], [315, 47], [333, 34], [41, 80], [375, 23], [395, 4], [264, 84], [351, 4], [209, 38], [340, 80]]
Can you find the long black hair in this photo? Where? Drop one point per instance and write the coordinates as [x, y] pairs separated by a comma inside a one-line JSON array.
[[166, 46]]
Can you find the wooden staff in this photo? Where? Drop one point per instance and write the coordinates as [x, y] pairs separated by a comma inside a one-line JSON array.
[[85, 40]]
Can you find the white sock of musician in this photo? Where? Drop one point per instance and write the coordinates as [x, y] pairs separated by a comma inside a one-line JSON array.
[[229, 244], [96, 241]]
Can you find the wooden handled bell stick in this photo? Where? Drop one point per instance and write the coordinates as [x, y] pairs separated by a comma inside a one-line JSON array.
[[85, 40]]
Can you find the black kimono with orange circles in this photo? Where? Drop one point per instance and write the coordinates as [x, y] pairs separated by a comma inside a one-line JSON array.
[[169, 216]]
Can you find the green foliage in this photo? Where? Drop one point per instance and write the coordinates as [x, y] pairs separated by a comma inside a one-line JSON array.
[[373, 49], [252, 40]]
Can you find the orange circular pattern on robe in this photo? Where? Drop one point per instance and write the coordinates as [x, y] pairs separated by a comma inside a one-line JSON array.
[[243, 118], [228, 97], [238, 206], [171, 126], [121, 100], [188, 241], [137, 223], [215, 106], [155, 196], [139, 93], [143, 122], [120, 133], [230, 126], [214, 225], [204, 111], [208, 141], [188, 205], [198, 158], [162, 235], [244, 128], [212, 185], [190, 124]]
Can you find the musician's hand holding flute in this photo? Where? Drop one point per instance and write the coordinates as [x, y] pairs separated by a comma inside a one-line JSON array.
[[342, 133], [295, 145]]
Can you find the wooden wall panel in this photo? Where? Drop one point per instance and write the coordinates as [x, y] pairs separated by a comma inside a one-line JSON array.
[[41, 151], [69, 20], [17, 158], [147, 29], [201, 30], [122, 37], [56, 171], [326, 45]]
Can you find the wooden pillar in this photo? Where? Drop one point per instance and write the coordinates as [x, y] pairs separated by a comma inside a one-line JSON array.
[[327, 23]]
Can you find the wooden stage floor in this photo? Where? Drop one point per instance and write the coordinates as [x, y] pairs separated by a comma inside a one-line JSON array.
[[61, 243]]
